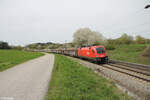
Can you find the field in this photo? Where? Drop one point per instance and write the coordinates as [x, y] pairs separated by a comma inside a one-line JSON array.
[[10, 58], [129, 53], [73, 81]]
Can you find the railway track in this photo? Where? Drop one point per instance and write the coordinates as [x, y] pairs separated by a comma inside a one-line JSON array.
[[132, 65], [134, 71], [138, 71]]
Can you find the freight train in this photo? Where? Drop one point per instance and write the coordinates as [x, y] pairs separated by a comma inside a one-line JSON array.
[[93, 53]]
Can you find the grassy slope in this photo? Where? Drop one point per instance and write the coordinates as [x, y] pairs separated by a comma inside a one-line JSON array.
[[9, 58], [71, 81], [130, 53]]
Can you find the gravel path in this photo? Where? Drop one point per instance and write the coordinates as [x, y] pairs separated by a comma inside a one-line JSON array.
[[27, 81]]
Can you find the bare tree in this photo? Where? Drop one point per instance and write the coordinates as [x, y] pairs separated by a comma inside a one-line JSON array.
[[86, 37]]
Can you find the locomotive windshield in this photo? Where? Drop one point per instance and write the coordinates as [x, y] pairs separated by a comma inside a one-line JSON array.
[[100, 50]]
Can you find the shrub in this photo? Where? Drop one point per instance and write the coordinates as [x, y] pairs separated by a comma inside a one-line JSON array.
[[110, 47], [146, 52]]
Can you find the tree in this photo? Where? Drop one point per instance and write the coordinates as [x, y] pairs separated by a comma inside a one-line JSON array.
[[19, 47], [86, 37], [146, 52], [4, 45], [140, 39], [125, 39]]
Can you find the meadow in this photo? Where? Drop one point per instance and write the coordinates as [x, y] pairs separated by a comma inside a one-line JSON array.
[[73, 81], [129, 53], [10, 58]]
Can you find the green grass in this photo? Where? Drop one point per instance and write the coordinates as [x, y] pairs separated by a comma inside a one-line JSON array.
[[129, 53], [73, 81], [10, 58]]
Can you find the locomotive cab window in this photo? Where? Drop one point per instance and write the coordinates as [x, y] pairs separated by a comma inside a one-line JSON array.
[[100, 50]]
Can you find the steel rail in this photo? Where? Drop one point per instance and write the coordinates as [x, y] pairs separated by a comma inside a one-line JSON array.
[[132, 65], [144, 79], [132, 69]]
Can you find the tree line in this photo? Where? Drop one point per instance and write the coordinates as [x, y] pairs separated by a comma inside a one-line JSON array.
[[86, 37], [4, 45], [127, 39]]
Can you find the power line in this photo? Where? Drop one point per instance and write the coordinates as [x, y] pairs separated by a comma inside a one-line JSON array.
[[132, 15], [133, 27], [144, 32], [140, 10]]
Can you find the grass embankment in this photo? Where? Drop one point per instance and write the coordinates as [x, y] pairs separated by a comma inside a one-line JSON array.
[[129, 53], [72, 81], [9, 58]]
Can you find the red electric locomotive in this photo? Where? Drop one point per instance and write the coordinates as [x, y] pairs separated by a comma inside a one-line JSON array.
[[95, 53]]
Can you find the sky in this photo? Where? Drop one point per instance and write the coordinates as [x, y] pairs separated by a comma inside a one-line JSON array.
[[24, 22]]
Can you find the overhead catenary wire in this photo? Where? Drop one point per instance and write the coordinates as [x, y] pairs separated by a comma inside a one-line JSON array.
[[132, 27], [127, 17], [135, 26]]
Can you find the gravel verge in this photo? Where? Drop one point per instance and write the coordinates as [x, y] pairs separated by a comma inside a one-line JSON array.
[[134, 87]]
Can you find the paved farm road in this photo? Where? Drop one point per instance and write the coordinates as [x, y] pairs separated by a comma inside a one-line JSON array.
[[27, 81]]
